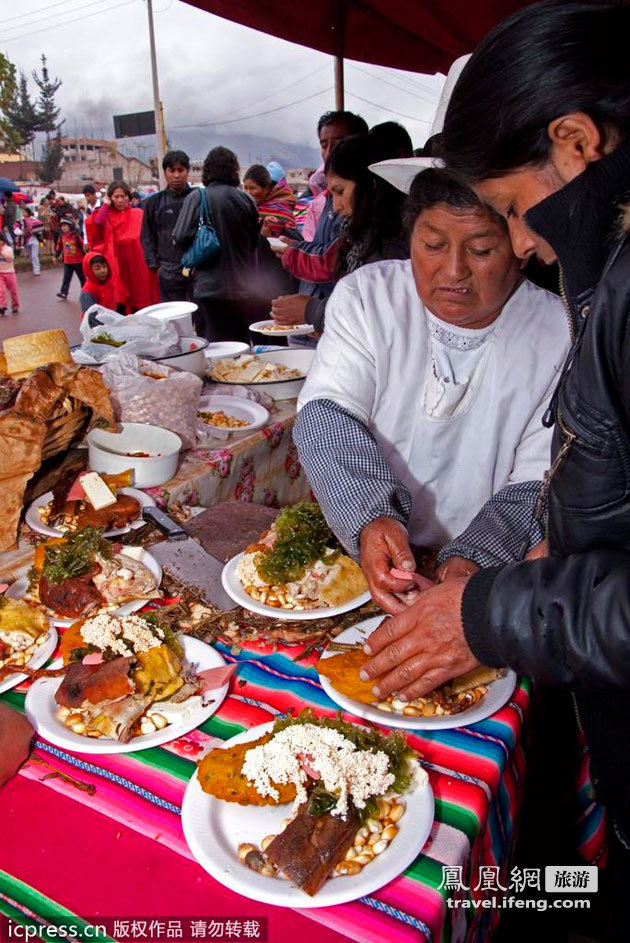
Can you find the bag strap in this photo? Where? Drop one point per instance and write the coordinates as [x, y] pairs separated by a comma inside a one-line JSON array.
[[205, 219]]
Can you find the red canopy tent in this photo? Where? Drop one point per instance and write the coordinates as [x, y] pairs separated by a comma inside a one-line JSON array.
[[416, 35]]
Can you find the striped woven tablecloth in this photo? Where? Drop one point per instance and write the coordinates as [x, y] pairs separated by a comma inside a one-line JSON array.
[[87, 836]]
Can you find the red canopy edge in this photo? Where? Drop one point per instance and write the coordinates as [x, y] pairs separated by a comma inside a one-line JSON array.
[[415, 35]]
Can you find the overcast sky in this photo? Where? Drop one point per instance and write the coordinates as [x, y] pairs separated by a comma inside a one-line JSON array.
[[209, 69]]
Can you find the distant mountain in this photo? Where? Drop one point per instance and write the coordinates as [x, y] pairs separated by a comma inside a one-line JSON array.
[[250, 148]]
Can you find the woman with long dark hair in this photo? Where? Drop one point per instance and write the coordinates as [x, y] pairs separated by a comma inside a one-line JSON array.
[[372, 227], [539, 124], [222, 285]]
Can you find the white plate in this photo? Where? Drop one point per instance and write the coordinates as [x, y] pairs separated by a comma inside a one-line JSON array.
[[35, 522], [499, 693], [214, 829], [219, 350], [41, 710], [169, 309], [41, 655], [254, 414], [18, 589], [262, 327], [234, 588]]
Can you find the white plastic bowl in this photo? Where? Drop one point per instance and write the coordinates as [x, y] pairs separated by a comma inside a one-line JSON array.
[[295, 359], [109, 452], [190, 358]]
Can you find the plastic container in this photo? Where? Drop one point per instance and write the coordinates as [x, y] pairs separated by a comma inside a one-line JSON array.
[[113, 452]]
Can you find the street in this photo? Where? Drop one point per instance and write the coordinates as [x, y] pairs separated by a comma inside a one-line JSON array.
[[40, 309]]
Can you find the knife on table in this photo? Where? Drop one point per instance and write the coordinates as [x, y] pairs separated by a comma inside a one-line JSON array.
[[186, 561]]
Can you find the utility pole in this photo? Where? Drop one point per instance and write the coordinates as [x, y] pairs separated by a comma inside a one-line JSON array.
[[157, 105]]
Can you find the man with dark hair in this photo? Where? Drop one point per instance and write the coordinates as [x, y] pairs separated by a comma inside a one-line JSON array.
[[161, 212], [92, 203], [308, 305], [394, 136]]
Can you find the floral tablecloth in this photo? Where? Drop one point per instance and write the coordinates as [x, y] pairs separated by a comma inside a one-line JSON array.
[[261, 468]]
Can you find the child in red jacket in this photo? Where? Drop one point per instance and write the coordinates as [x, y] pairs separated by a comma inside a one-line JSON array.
[[70, 248]]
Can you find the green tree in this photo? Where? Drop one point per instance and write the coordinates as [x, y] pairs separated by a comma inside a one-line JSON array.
[[9, 139], [24, 117], [48, 88], [49, 170]]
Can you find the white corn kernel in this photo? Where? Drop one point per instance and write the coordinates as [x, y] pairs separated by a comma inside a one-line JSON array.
[[159, 720], [78, 727], [389, 833], [396, 812], [379, 847], [267, 840], [244, 849]]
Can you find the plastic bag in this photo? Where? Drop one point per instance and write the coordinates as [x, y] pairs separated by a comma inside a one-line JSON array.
[[142, 391], [137, 334]]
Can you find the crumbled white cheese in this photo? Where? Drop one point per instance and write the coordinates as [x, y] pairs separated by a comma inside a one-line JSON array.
[[345, 771], [125, 635]]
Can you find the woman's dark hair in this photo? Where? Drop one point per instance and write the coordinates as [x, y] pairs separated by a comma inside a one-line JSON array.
[[220, 166], [377, 206], [28, 211], [354, 123], [545, 61], [118, 185], [175, 157], [438, 185], [394, 136], [259, 174]]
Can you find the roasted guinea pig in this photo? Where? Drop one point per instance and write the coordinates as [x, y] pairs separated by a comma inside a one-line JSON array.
[[74, 597], [125, 510], [311, 845], [107, 681]]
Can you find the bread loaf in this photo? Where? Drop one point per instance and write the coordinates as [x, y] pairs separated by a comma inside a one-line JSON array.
[[26, 352]]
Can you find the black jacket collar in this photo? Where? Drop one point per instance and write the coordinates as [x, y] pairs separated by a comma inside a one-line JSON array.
[[581, 221]]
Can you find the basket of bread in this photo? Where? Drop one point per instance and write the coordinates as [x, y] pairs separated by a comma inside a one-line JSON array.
[[46, 403]]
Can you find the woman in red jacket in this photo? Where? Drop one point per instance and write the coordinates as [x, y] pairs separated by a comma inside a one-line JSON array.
[[114, 230]]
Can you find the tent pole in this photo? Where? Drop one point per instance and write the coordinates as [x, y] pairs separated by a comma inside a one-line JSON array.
[[339, 91], [340, 29]]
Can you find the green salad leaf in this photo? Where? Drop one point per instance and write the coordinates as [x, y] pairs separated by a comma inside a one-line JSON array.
[[302, 537], [75, 556]]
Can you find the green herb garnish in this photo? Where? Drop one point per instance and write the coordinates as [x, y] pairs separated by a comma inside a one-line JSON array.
[[75, 556], [394, 745], [302, 536], [321, 801], [170, 638], [106, 338]]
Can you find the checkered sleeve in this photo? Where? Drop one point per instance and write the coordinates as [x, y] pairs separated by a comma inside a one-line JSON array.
[[503, 530], [349, 477]]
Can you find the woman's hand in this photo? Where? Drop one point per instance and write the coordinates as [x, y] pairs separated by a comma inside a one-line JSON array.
[[540, 550], [385, 546], [422, 647], [455, 567], [15, 741], [290, 309]]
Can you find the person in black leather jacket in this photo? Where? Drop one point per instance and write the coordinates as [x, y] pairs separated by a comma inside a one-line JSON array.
[[539, 123]]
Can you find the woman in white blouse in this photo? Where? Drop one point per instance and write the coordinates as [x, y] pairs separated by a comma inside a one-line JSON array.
[[426, 394]]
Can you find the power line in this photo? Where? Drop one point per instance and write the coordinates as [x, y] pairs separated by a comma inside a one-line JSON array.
[[431, 101], [46, 29], [278, 91], [260, 114], [53, 16], [400, 114], [49, 6], [405, 78]]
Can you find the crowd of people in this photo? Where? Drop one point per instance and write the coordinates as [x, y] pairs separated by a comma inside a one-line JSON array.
[[460, 424]]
